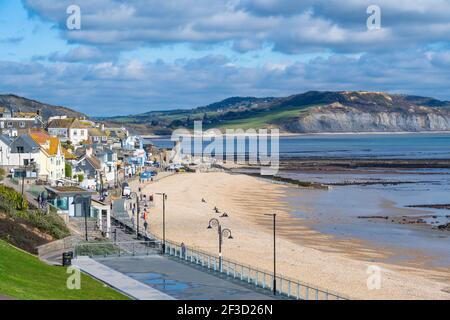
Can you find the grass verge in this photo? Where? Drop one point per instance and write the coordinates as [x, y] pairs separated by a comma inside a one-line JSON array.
[[23, 276]]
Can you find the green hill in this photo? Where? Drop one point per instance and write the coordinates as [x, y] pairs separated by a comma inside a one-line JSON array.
[[309, 112], [23, 276]]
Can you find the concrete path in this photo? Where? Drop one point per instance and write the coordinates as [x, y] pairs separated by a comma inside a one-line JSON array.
[[119, 281], [184, 281]]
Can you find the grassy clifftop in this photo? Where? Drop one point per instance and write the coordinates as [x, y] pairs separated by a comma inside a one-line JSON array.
[[23, 276]]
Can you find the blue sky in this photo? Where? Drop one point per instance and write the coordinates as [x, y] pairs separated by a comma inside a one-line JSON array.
[[140, 55]]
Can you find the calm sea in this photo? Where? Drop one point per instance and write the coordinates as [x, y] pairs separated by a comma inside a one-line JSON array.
[[336, 211], [413, 146]]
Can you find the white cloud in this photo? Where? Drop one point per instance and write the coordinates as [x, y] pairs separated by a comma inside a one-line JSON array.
[[290, 26]]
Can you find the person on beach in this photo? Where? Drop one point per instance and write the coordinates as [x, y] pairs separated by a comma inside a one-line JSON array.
[[203, 200], [145, 226], [183, 250]]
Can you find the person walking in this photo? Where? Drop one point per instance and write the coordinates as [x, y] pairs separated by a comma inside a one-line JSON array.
[[183, 250]]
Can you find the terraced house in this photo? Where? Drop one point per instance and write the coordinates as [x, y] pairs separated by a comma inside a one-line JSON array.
[[68, 129], [13, 123], [50, 161]]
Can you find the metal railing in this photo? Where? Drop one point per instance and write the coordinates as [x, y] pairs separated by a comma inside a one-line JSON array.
[[117, 249], [285, 286]]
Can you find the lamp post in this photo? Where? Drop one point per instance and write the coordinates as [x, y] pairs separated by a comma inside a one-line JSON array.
[[164, 197], [83, 204], [138, 209], [222, 233], [274, 285]]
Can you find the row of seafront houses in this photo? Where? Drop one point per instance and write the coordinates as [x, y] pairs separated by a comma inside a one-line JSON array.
[[69, 156]]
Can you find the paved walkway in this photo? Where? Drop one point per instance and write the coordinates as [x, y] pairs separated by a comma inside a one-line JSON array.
[[118, 280], [184, 281]]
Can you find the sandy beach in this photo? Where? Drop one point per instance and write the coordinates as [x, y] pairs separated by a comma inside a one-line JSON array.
[[302, 253]]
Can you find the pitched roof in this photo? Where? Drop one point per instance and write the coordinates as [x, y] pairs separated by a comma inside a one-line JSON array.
[[30, 115], [96, 132], [95, 162], [25, 141], [48, 144], [68, 155], [6, 139], [66, 123]]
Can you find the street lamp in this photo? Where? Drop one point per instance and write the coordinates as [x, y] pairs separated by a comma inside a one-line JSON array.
[[274, 285], [138, 209], [222, 233], [83, 204], [164, 197]]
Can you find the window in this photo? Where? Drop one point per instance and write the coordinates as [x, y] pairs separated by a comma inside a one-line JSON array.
[[20, 149], [22, 124], [10, 124]]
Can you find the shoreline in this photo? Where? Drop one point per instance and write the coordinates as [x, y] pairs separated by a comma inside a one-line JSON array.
[[304, 254]]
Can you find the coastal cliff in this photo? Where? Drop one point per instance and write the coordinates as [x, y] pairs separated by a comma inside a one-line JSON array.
[[309, 112], [339, 118]]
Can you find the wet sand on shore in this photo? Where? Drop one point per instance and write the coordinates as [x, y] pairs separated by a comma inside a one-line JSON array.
[[302, 253]]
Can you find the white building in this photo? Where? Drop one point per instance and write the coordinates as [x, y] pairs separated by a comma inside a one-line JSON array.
[[68, 129]]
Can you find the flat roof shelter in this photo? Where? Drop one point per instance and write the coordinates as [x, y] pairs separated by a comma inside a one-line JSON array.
[[71, 200], [102, 211]]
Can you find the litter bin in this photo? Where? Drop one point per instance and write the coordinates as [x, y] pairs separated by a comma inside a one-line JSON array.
[[67, 258]]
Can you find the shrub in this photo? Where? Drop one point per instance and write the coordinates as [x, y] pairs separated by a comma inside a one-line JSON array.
[[10, 199], [68, 170], [50, 223], [15, 206]]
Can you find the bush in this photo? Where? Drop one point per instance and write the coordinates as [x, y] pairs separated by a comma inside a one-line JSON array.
[[15, 206], [68, 170], [2, 174], [10, 199], [50, 223]]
